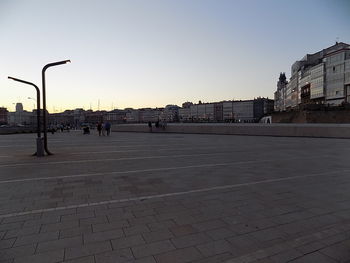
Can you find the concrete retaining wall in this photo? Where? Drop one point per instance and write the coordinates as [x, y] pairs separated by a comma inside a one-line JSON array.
[[319, 116], [12, 130], [294, 130]]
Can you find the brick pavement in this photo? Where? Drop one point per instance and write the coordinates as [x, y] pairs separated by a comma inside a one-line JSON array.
[[174, 198]]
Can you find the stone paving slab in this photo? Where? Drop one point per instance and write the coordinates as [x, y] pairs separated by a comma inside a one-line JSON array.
[[158, 198]]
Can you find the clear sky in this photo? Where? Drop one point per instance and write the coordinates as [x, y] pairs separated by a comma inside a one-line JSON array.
[[150, 53]]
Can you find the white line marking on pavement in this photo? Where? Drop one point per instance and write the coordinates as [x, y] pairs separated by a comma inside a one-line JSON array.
[[19, 145], [102, 144], [111, 173], [108, 160], [145, 170], [156, 149], [142, 198], [24, 145]]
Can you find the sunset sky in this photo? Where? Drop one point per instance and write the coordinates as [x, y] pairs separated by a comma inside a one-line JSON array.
[[150, 53]]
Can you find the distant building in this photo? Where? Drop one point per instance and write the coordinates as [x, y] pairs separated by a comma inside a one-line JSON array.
[[65, 118], [132, 115], [187, 104], [202, 112], [184, 114], [3, 116], [94, 117], [170, 113], [280, 94], [218, 111], [148, 114], [262, 107], [19, 107], [20, 116], [319, 78], [79, 117], [115, 116], [243, 111], [227, 111]]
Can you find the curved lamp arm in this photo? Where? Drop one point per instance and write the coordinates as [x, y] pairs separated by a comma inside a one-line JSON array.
[[37, 101], [44, 99]]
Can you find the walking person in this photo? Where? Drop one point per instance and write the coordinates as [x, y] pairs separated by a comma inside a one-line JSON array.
[[108, 128], [99, 128], [103, 129]]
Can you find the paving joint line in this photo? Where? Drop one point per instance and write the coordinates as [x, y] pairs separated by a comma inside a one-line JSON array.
[[143, 198], [107, 160], [141, 171]]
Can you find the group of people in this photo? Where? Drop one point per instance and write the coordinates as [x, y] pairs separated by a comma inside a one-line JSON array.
[[104, 128], [58, 127], [158, 124]]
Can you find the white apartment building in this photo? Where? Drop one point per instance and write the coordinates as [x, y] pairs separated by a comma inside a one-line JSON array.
[[20, 116], [185, 114], [132, 115], [227, 111], [198, 112], [148, 114], [243, 111], [319, 78], [238, 111], [170, 113]]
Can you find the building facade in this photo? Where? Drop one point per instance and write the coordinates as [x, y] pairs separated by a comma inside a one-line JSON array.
[[319, 78], [170, 113], [132, 115], [20, 116], [115, 116], [65, 118], [280, 94], [3, 116], [149, 114], [184, 114], [227, 111]]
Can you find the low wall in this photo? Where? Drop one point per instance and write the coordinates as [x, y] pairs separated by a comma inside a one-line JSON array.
[[320, 116], [12, 130], [293, 130]]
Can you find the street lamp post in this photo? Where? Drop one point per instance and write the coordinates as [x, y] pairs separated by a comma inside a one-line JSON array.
[[39, 149], [44, 99]]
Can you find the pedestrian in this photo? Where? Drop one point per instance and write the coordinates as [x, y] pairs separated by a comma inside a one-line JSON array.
[[103, 129], [150, 126], [108, 128], [99, 128], [52, 129]]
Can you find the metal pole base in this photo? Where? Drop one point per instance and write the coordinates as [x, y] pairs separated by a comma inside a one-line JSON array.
[[40, 147]]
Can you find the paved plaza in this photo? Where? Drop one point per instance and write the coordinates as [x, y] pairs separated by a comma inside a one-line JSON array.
[[153, 197]]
